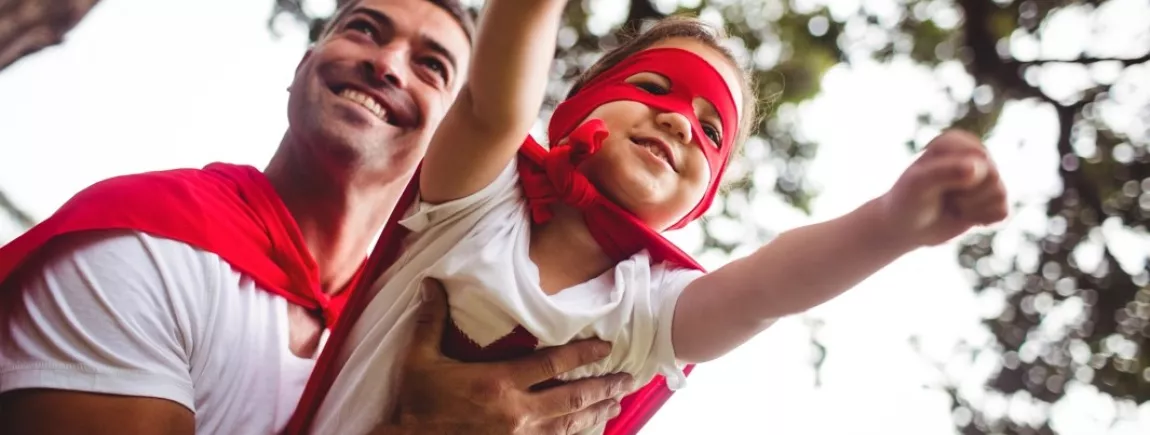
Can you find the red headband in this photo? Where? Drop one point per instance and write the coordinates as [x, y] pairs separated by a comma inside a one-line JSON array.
[[690, 77]]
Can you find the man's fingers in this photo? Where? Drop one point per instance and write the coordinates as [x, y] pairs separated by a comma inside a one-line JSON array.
[[430, 321], [570, 398], [588, 418], [554, 361]]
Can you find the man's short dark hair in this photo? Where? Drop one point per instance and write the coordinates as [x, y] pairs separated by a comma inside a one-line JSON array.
[[455, 8]]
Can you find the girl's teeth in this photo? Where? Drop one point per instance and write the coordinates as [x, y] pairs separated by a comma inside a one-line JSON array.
[[657, 151]]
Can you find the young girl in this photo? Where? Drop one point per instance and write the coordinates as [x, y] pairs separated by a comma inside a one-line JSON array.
[[536, 248]]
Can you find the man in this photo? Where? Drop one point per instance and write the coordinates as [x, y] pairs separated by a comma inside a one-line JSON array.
[[195, 301]]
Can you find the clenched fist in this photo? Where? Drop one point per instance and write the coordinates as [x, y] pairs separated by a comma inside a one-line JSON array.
[[951, 188]]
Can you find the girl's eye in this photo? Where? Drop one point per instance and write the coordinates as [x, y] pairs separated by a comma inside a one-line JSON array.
[[652, 88], [713, 133]]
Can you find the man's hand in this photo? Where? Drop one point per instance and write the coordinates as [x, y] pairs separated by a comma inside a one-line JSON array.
[[443, 396], [951, 188]]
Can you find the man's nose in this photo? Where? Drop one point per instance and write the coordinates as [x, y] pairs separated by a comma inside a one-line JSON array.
[[388, 66], [675, 123]]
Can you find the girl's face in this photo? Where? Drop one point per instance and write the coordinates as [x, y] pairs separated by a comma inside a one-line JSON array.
[[653, 162]]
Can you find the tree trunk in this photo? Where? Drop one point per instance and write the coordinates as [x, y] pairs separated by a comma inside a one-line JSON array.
[[640, 10], [27, 26]]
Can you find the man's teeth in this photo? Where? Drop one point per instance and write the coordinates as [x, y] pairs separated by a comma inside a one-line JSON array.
[[365, 101]]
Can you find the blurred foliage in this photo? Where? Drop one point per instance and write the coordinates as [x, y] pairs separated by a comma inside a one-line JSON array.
[[1070, 321], [1105, 173]]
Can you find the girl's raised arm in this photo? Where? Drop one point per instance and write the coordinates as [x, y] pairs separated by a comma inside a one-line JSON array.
[[501, 99]]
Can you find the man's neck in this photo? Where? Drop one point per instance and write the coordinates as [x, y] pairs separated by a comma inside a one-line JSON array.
[[339, 214]]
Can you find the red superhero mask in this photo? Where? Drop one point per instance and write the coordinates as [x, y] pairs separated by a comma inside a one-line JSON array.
[[690, 77]]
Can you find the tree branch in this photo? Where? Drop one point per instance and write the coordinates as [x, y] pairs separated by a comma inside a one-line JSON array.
[[24, 219], [1006, 77], [640, 10], [28, 26], [1083, 60], [290, 7], [985, 65]]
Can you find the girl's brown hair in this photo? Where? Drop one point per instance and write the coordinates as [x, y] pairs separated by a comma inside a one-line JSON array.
[[680, 27]]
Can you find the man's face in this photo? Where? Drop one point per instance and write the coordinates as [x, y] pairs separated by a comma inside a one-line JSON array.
[[370, 94]]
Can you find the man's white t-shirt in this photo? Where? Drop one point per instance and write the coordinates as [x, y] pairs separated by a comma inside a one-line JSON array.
[[478, 247], [126, 313]]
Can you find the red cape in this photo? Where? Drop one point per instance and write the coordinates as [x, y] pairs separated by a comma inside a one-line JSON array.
[[229, 210], [637, 408]]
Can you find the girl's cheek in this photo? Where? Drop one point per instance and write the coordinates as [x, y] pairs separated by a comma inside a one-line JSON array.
[[702, 167]]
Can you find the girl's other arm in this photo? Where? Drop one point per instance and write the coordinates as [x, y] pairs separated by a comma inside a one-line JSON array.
[[800, 269], [950, 189]]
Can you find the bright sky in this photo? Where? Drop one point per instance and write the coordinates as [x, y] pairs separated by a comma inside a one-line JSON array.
[[144, 85]]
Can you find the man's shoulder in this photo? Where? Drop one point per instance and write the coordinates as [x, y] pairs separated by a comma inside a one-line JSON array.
[[230, 211], [177, 204], [124, 256], [132, 248], [188, 183]]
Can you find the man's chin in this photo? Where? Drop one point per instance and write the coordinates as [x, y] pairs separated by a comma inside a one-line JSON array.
[[392, 151], [354, 127], [349, 116]]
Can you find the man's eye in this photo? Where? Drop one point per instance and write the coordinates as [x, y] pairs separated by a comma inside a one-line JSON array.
[[713, 133], [652, 88], [436, 66], [362, 27]]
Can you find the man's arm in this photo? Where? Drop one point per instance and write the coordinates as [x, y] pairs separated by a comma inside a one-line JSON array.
[[499, 102], [443, 396], [50, 412], [88, 344]]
